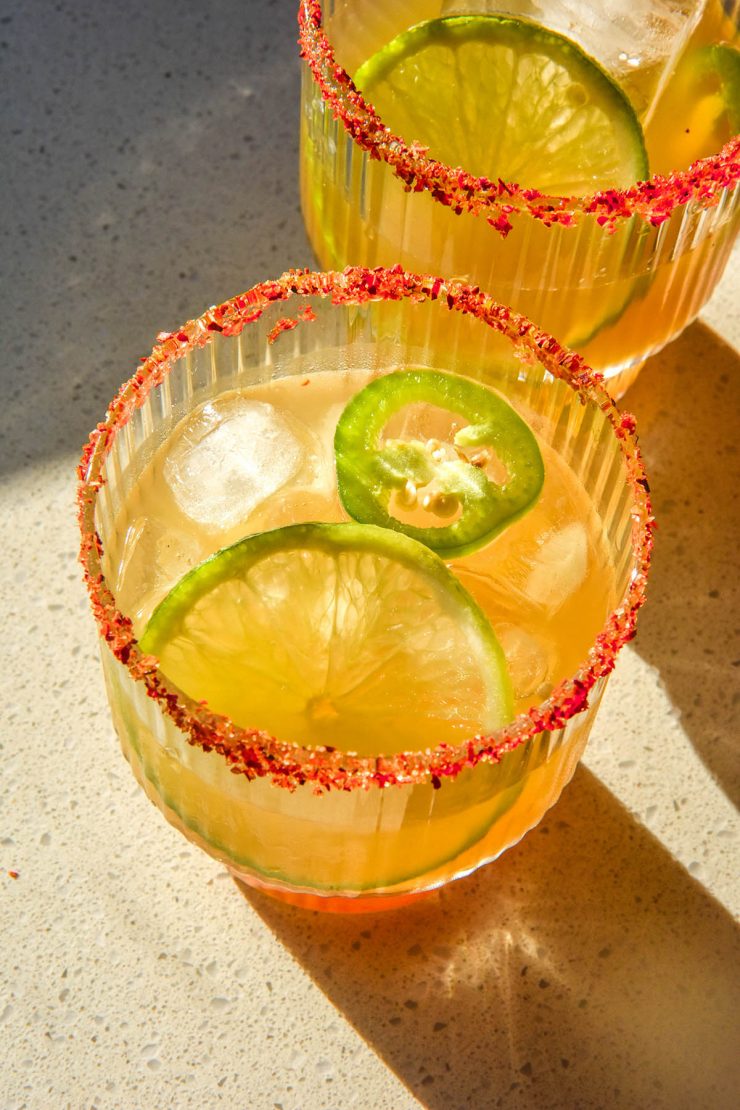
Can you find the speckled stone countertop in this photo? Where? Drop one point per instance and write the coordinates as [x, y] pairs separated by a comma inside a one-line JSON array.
[[149, 168]]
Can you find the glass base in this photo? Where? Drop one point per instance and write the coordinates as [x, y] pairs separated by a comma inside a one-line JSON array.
[[329, 903]]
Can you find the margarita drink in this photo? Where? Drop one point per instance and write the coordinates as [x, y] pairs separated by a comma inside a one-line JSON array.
[[546, 583], [614, 274], [246, 465]]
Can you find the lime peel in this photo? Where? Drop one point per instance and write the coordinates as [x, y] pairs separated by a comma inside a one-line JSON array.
[[341, 635], [510, 100]]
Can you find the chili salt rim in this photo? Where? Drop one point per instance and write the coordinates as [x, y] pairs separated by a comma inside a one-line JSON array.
[[653, 200], [255, 753]]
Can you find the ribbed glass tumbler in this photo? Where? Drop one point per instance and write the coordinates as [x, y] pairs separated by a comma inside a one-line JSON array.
[[315, 824], [615, 275]]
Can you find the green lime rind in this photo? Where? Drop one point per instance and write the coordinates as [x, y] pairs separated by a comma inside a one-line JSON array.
[[488, 792], [556, 120], [169, 621], [369, 470], [715, 70], [722, 60], [235, 561], [449, 820], [637, 289]]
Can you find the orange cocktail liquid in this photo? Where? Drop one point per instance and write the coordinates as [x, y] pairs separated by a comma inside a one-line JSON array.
[[617, 295], [546, 584]]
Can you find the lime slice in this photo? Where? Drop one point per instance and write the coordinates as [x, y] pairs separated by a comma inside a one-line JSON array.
[[454, 493], [344, 635], [699, 110], [724, 62], [348, 841], [334, 634], [505, 98]]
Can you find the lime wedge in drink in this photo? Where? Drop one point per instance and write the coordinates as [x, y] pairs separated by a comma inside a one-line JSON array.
[[699, 110], [344, 635], [334, 634], [453, 493], [723, 62], [502, 97]]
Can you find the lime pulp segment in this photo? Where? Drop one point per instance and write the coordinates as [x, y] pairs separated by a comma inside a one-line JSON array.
[[503, 97]]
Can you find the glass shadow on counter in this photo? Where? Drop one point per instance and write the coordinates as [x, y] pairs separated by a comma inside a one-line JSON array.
[[585, 968], [689, 419]]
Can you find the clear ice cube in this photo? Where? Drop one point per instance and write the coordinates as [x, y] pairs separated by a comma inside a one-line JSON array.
[[558, 568], [627, 37], [230, 457], [153, 558], [527, 659], [529, 569]]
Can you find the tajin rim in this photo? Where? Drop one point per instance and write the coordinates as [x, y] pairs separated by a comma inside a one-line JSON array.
[[255, 753], [497, 201]]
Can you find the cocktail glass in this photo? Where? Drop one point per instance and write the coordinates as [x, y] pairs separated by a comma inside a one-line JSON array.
[[318, 825], [615, 275]]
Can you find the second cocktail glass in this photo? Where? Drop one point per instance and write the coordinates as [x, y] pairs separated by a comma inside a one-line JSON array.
[[616, 274]]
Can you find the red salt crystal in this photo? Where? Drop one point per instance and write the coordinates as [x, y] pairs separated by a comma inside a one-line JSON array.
[[285, 323], [232, 328], [501, 224], [14, 874], [272, 291]]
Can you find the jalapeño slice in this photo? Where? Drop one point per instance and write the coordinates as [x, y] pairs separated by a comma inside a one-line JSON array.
[[455, 494]]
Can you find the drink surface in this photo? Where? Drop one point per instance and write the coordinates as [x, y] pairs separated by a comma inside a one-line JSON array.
[[254, 460]]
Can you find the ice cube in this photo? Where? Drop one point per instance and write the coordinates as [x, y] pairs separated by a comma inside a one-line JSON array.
[[636, 41], [558, 567], [231, 455], [153, 558], [527, 659]]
